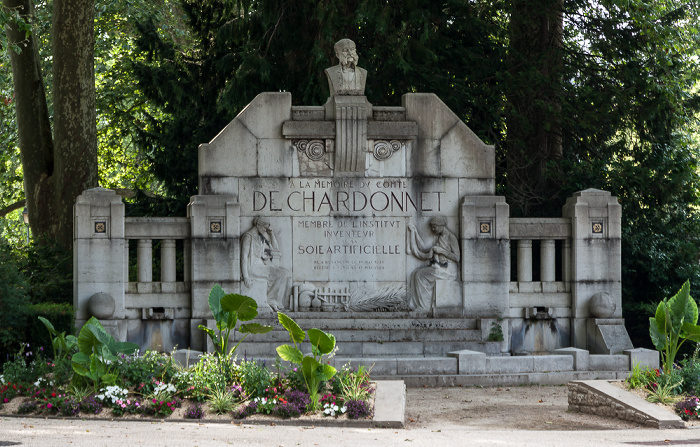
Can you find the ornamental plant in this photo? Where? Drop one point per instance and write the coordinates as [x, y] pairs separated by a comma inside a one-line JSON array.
[[96, 351], [675, 322], [313, 368], [687, 408], [227, 310], [62, 344]]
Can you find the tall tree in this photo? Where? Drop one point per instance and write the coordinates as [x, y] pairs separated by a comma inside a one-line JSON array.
[[451, 47], [533, 90], [57, 165]]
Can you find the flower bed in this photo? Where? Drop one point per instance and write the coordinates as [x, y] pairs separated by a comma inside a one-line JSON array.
[[94, 374], [154, 386], [675, 391]]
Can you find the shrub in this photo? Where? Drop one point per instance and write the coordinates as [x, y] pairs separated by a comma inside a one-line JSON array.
[[301, 398], [222, 401], [254, 377], [286, 409], [194, 411], [91, 405], [359, 409], [61, 315], [27, 407], [690, 373], [68, 406], [246, 410], [13, 302], [687, 408]]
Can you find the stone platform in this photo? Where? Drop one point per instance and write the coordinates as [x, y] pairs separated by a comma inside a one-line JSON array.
[[377, 335]]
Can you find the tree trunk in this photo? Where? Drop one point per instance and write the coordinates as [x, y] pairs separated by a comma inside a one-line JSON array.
[[75, 117], [56, 171], [34, 127], [534, 99]]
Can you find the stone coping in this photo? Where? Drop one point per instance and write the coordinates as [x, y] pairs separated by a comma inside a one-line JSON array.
[[389, 412], [606, 399]]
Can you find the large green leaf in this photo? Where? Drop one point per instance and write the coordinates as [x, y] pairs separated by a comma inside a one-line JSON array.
[[123, 347], [296, 333], [326, 372], [679, 308], [691, 332], [254, 328], [48, 325], [310, 367], [290, 353], [244, 306], [657, 337], [215, 296], [321, 341], [660, 317], [86, 337], [80, 358]]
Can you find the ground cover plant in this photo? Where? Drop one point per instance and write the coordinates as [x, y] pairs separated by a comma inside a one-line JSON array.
[[95, 375], [676, 384]]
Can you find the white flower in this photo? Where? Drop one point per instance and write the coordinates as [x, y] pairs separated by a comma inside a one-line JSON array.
[[2, 378], [343, 409]]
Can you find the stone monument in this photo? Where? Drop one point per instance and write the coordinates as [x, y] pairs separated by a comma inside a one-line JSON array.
[[380, 224]]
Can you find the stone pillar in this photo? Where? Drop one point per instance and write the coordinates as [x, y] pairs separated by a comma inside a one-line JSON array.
[[99, 267], [350, 114], [547, 260], [144, 260], [167, 261], [595, 256], [566, 262], [524, 260], [485, 256], [215, 254]]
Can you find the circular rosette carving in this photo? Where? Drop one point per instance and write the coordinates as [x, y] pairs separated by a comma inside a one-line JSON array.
[[315, 149], [385, 149], [300, 144]]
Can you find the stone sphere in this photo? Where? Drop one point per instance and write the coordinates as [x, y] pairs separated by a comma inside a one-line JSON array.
[[602, 305], [101, 305]]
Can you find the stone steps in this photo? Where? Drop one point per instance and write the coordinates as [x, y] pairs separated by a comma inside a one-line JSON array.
[[418, 349], [380, 335], [329, 321], [376, 336]]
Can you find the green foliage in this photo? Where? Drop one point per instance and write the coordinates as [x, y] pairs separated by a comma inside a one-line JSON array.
[[48, 268], [355, 385], [255, 378], [96, 351], [13, 302], [495, 333], [641, 378], [235, 50], [144, 371], [62, 345], [210, 373], [312, 367], [227, 310], [675, 322], [667, 389], [221, 401], [690, 375]]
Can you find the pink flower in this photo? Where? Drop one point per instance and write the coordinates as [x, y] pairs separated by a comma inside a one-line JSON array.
[[49, 405]]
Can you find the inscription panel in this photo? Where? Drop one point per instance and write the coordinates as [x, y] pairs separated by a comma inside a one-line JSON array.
[[349, 197], [349, 249]]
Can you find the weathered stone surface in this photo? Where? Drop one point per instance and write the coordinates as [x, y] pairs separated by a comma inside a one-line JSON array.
[[601, 398], [378, 224]]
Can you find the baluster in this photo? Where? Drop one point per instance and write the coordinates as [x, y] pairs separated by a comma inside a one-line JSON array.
[[167, 260], [547, 260], [524, 260], [145, 260]]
